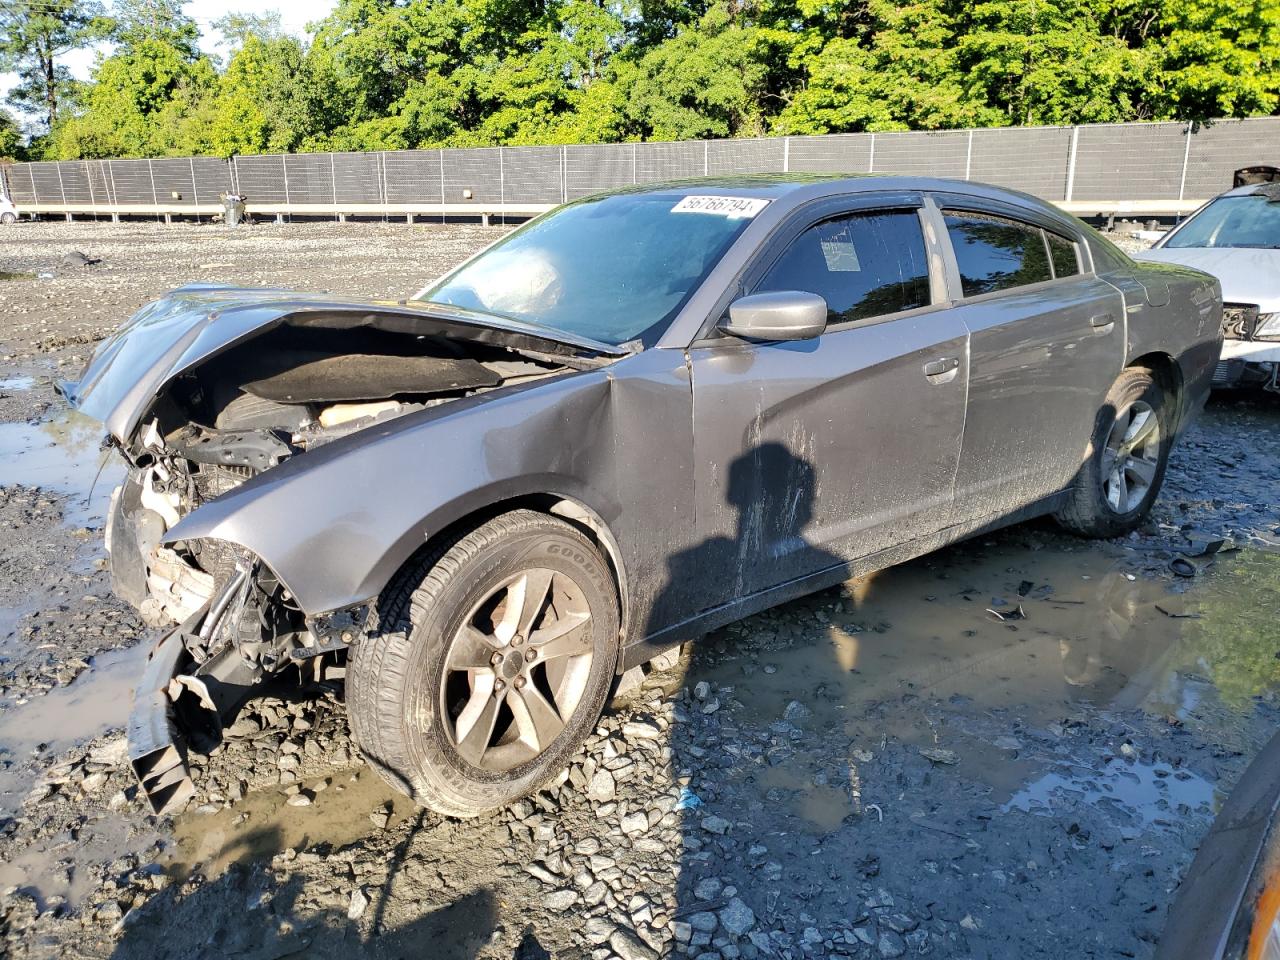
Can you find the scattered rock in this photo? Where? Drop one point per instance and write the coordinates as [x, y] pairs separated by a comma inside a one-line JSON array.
[[560, 900], [359, 903], [939, 755], [714, 824], [737, 918]]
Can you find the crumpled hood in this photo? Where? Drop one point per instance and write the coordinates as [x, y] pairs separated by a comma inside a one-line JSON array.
[[194, 323], [1247, 274]]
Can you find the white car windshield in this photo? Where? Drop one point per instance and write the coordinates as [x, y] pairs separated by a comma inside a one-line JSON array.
[[1252, 220], [613, 269]]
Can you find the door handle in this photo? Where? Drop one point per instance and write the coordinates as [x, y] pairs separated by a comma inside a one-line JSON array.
[[943, 370], [1102, 322]]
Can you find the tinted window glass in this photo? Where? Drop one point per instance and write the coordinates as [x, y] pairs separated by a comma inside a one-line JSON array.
[[863, 265], [1065, 261], [996, 254]]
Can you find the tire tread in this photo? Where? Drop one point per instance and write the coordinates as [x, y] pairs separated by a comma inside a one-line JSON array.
[[381, 661]]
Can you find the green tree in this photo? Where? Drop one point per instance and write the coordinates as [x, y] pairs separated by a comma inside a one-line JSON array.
[[1049, 62], [137, 22], [262, 102], [901, 71], [1220, 59], [237, 29], [707, 81], [34, 35], [10, 137], [141, 97]]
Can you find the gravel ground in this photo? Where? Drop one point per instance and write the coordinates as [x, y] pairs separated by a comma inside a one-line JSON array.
[[883, 769]]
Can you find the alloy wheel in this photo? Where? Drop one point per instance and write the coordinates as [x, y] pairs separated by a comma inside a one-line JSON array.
[[516, 669], [1131, 457]]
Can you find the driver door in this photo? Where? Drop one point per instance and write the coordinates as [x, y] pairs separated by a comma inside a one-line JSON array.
[[813, 453]]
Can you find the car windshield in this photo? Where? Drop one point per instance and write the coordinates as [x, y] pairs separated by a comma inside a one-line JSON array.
[[613, 269], [1252, 220]]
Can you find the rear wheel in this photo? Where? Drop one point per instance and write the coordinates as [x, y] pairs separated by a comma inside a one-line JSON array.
[[486, 664], [1125, 464], [8, 218]]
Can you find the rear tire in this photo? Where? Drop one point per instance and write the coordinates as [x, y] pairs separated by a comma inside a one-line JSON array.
[[467, 648], [1126, 460], [8, 219]]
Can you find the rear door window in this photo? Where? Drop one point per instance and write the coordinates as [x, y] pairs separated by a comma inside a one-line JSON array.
[[994, 253], [864, 265]]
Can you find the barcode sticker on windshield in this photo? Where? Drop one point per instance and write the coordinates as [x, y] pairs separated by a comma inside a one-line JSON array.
[[733, 207]]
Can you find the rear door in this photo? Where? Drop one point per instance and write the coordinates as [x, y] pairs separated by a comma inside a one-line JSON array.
[[810, 453], [1046, 342]]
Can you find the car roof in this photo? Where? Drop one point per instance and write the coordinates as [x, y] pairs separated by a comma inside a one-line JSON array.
[[789, 190], [811, 186], [1269, 190]]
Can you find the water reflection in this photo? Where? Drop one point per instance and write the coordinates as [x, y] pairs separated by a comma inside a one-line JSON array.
[[1092, 633], [914, 655], [63, 456], [1154, 794]]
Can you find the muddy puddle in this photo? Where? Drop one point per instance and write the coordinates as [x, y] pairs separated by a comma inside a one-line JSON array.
[[56, 870], [96, 701], [1150, 793], [265, 823], [63, 456], [59, 871], [1010, 639]]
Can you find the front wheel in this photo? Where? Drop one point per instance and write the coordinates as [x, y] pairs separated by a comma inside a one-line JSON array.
[[1125, 463], [486, 664], [8, 218]]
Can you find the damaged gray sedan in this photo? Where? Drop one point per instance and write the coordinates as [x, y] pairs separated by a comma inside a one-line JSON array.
[[635, 419]]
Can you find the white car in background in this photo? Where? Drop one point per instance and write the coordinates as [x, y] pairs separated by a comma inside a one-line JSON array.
[[8, 212], [1236, 237]]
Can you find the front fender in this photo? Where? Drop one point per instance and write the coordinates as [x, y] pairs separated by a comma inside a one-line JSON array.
[[335, 523]]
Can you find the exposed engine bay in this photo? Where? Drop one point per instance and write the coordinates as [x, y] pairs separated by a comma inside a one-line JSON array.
[[290, 390]]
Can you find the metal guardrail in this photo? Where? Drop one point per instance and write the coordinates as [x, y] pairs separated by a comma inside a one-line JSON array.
[[1134, 169]]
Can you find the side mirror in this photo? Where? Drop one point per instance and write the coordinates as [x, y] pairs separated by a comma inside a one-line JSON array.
[[778, 315]]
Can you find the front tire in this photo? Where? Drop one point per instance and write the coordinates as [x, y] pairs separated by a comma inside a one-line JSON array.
[[1125, 464], [8, 218], [486, 664]]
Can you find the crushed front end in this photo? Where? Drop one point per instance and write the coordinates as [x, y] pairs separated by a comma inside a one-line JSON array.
[[206, 391], [1250, 348]]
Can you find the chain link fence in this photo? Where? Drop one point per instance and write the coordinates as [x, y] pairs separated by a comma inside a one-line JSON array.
[[1140, 168]]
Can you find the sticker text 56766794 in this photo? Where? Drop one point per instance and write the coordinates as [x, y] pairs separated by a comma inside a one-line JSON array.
[[733, 207]]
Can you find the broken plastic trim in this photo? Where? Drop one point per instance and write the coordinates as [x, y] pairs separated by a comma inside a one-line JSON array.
[[157, 751]]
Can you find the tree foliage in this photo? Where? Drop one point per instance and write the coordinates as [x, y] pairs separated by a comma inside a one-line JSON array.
[[386, 74], [10, 137], [34, 35]]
